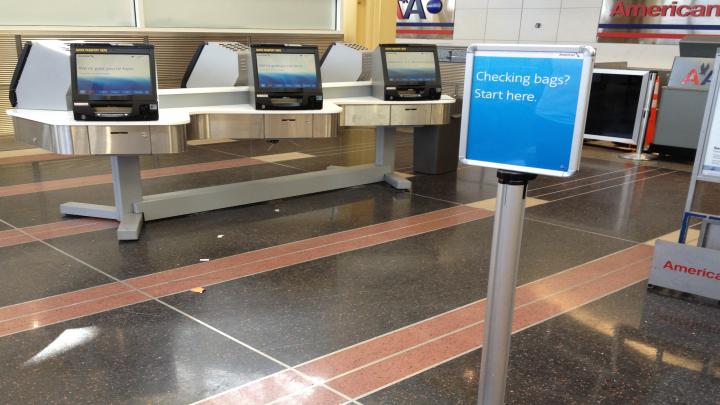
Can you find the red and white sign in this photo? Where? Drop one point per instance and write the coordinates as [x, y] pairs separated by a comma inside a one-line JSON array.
[[686, 268], [657, 21]]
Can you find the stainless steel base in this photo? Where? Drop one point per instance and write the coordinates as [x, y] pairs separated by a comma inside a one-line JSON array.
[[83, 140], [231, 195], [131, 207], [130, 224], [127, 190]]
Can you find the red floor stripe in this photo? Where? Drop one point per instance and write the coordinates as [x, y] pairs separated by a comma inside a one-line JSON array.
[[194, 270], [274, 251], [268, 389], [370, 365], [51, 185], [32, 158], [59, 308], [318, 395], [343, 361], [55, 302], [390, 371], [54, 230], [70, 312], [274, 263]]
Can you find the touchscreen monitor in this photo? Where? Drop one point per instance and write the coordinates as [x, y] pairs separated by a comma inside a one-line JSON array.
[[110, 74], [407, 67], [286, 70]]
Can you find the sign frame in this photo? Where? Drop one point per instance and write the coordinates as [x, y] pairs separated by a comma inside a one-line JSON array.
[[697, 173], [705, 133], [586, 53]]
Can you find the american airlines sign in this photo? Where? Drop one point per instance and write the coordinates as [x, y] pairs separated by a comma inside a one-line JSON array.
[[657, 21]]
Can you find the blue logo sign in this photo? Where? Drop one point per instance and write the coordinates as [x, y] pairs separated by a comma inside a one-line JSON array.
[[416, 7], [425, 19], [434, 6], [523, 111]]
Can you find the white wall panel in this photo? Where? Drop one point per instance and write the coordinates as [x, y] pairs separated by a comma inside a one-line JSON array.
[[581, 3], [505, 3], [563, 21], [503, 24], [578, 25], [547, 19], [81, 13], [464, 4], [542, 3], [229, 14], [470, 24]]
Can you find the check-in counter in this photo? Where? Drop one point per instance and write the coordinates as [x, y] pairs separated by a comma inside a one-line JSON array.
[[59, 132], [245, 122], [370, 111], [224, 113], [228, 113]]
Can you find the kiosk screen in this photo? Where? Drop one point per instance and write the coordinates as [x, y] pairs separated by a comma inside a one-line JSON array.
[[406, 67], [286, 70], [613, 108], [113, 74]]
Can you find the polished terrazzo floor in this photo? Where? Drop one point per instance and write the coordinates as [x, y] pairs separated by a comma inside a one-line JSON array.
[[366, 295]]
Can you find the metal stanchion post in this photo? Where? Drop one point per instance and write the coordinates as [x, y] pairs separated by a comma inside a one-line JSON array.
[[507, 235], [639, 154]]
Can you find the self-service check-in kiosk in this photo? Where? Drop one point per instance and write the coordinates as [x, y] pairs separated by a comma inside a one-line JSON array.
[[285, 77], [406, 72], [112, 82], [217, 64]]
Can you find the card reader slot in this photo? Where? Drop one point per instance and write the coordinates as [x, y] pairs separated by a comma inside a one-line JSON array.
[[112, 109], [285, 102]]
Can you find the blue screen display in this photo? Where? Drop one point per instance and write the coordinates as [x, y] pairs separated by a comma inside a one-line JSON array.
[[113, 74], [286, 70], [522, 111]]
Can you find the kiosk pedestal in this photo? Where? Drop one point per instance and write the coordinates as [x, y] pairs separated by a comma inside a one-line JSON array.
[[250, 192], [127, 189], [131, 206]]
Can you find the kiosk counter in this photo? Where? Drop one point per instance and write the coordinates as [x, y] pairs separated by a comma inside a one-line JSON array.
[[230, 113]]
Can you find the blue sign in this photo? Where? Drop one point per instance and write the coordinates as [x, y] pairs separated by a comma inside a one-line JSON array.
[[526, 113]]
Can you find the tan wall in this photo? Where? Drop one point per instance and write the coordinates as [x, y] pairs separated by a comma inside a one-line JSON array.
[[369, 22]]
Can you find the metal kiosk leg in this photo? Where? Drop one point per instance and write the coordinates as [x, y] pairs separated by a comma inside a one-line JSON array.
[[128, 191], [385, 156], [507, 235], [131, 207]]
